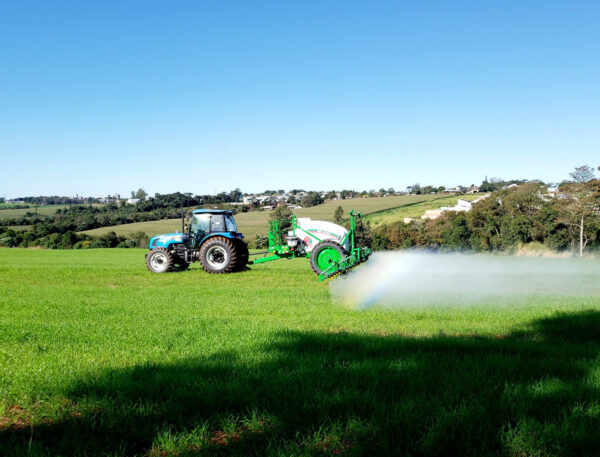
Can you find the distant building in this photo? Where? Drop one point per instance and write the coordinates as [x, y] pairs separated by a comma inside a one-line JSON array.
[[552, 190]]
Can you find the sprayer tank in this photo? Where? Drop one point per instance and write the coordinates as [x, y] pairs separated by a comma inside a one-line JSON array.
[[310, 232]]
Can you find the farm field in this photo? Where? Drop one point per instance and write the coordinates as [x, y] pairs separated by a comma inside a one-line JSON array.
[[100, 357], [416, 210], [257, 222], [20, 228], [47, 210]]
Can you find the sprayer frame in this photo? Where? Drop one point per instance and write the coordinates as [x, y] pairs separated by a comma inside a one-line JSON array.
[[280, 250]]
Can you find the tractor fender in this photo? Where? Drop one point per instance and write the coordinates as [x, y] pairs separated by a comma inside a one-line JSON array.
[[229, 235]]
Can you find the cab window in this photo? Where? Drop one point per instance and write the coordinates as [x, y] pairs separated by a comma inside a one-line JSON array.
[[230, 223], [217, 223], [200, 225]]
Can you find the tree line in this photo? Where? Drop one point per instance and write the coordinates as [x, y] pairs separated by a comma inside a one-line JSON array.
[[508, 219]]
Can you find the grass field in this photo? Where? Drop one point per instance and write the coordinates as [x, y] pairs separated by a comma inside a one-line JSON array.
[[257, 222], [416, 210], [98, 357], [20, 228], [9, 213]]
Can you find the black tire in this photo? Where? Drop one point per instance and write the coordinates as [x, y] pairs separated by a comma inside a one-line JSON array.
[[243, 254], [314, 255], [159, 260], [218, 255]]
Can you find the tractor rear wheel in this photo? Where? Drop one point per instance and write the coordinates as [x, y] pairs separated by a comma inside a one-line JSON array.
[[218, 255], [243, 254], [325, 254], [159, 260]]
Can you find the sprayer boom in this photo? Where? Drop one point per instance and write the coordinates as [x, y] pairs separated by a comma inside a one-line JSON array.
[[358, 256]]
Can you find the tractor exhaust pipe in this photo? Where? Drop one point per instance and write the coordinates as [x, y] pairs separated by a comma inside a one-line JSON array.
[[182, 220]]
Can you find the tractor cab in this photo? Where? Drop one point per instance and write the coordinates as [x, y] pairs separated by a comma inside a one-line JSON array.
[[207, 222]]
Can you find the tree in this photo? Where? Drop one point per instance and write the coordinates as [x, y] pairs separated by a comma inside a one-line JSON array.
[[281, 212], [141, 194], [235, 195], [338, 215], [582, 174], [415, 188], [579, 209], [311, 199], [486, 186]]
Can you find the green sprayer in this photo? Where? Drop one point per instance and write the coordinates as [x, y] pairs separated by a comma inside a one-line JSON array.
[[213, 240]]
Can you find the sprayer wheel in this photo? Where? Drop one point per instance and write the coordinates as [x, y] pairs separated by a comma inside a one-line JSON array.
[[218, 255], [324, 255]]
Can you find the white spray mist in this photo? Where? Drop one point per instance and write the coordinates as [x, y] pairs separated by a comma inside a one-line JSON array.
[[409, 278]]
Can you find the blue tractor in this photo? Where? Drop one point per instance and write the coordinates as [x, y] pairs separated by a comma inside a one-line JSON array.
[[211, 238]]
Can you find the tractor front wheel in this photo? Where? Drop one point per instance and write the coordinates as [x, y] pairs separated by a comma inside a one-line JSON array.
[[218, 255], [159, 260], [325, 254]]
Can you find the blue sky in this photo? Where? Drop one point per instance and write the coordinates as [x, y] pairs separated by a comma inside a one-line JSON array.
[[105, 97]]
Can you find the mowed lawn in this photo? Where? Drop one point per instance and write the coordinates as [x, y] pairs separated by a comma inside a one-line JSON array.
[[257, 222], [99, 357]]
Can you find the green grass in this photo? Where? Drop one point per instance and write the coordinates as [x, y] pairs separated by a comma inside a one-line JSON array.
[[20, 228], [10, 213], [100, 357], [416, 210], [257, 222]]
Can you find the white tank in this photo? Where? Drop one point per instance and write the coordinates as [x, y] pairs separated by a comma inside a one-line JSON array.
[[322, 230]]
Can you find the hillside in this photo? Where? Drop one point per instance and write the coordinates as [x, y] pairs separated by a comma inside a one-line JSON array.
[[257, 222], [47, 210], [417, 209]]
